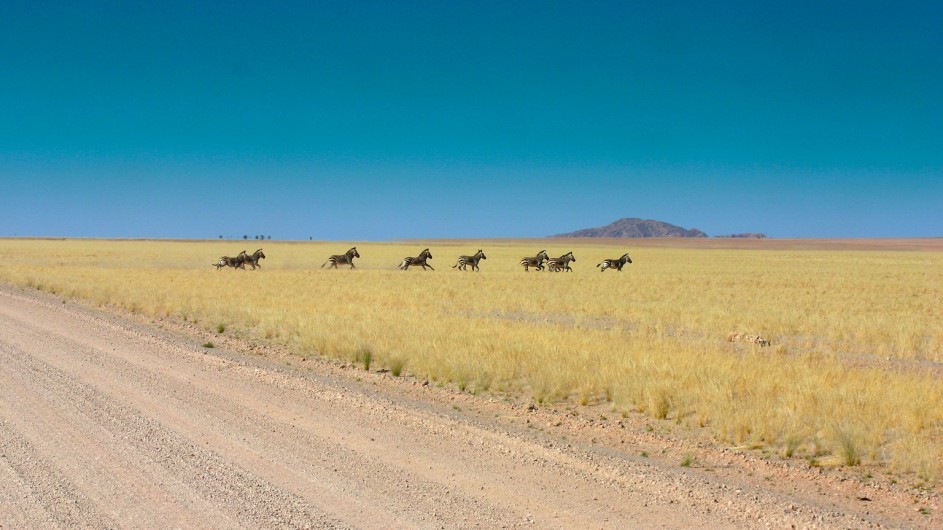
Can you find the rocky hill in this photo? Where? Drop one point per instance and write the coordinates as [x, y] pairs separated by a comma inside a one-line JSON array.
[[635, 227]]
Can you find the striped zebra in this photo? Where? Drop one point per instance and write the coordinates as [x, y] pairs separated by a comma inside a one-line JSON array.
[[615, 263], [465, 261], [236, 263], [343, 259], [536, 261], [254, 259], [417, 260], [562, 263]]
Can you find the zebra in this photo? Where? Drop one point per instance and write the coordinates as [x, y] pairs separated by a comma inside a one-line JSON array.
[[417, 260], [464, 261], [344, 259], [536, 261], [236, 263], [562, 263], [615, 263], [254, 259]]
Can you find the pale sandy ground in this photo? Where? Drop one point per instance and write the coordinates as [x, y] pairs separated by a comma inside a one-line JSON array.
[[117, 420]]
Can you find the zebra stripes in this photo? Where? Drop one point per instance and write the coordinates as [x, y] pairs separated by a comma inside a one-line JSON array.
[[343, 259], [465, 261], [615, 263], [236, 263], [253, 259], [562, 263], [418, 260], [535, 261]]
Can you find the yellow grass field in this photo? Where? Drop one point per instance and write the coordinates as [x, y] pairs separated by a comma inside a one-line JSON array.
[[853, 375]]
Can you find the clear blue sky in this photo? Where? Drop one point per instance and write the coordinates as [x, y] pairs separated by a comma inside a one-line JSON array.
[[385, 120]]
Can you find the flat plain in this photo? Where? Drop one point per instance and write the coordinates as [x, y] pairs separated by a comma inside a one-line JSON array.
[[850, 379]]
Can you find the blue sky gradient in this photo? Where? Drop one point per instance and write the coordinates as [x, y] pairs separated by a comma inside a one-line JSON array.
[[381, 120]]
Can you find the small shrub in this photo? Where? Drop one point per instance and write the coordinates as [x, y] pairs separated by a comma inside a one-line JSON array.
[[687, 460], [220, 328], [208, 345]]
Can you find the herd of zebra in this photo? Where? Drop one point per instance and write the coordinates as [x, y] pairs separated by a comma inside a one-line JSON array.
[[539, 262]]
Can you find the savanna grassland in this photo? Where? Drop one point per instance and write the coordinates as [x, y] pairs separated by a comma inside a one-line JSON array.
[[853, 375]]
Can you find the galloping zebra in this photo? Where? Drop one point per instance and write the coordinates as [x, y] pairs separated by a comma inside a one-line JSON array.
[[562, 263], [254, 259], [239, 262], [343, 259], [464, 261], [418, 260], [536, 261], [615, 263]]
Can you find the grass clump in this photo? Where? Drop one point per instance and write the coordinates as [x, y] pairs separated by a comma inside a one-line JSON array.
[[208, 345], [364, 356], [396, 366], [848, 446]]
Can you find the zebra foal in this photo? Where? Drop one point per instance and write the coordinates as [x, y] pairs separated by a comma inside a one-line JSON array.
[[465, 261]]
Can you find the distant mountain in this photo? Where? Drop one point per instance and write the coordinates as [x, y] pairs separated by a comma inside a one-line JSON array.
[[635, 227]]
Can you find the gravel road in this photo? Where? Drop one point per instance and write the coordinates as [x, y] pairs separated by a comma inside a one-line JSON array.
[[109, 421]]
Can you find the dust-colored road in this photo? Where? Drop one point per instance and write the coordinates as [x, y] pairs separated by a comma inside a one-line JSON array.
[[105, 422]]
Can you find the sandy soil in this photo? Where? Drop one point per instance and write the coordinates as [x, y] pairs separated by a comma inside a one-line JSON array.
[[117, 420]]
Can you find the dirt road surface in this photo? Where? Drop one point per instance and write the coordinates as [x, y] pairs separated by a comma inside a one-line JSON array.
[[111, 420]]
